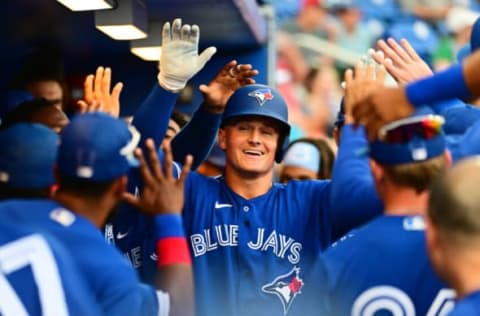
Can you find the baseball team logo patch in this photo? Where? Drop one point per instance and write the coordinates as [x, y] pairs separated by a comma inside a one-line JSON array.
[[286, 287], [262, 95]]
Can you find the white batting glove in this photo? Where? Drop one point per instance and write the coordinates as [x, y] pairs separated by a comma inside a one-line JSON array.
[[180, 60]]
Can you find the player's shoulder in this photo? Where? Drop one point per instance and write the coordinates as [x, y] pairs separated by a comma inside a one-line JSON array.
[[198, 181], [304, 187]]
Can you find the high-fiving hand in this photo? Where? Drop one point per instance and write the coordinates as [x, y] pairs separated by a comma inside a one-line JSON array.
[[231, 77], [180, 60], [162, 193], [97, 95]]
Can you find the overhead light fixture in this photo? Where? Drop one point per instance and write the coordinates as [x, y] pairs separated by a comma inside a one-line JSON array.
[[87, 5], [127, 21], [149, 48]]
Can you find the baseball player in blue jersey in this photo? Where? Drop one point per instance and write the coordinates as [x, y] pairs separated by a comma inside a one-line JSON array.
[[252, 240], [94, 157], [453, 233], [383, 266], [131, 232], [38, 277]]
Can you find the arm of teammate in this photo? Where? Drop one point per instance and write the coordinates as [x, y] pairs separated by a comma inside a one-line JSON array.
[[198, 136], [406, 66], [458, 81], [353, 197], [179, 62], [162, 197]]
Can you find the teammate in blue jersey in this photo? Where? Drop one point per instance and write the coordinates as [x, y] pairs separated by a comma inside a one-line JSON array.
[[453, 233], [252, 240], [383, 267], [38, 277], [94, 157], [131, 232]]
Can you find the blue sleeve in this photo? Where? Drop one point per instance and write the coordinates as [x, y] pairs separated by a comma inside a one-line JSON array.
[[353, 198], [197, 137], [459, 118], [151, 120], [152, 117], [141, 300]]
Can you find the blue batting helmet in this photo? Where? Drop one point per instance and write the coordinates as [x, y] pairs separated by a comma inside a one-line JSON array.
[[260, 100]]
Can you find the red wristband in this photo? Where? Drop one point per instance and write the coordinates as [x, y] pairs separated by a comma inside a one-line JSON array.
[[173, 250]]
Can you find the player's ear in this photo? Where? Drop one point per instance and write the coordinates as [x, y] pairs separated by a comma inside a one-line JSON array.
[[222, 138], [377, 171]]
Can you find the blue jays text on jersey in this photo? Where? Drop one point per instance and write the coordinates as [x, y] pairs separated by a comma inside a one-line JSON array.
[[380, 267], [227, 236]]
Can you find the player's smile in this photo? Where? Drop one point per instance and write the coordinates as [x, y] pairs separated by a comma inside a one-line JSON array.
[[253, 152]]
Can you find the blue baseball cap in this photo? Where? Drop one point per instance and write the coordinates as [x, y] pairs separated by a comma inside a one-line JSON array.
[[414, 139], [97, 147], [304, 155], [27, 156]]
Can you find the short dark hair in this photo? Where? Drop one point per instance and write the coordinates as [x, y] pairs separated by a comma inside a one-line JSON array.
[[84, 187], [25, 112]]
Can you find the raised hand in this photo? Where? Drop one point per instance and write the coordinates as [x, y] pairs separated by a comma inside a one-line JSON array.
[[162, 193], [180, 60], [383, 105], [360, 83], [97, 95], [401, 61], [231, 77]]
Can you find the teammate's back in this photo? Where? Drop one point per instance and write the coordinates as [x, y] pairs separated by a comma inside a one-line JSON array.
[[37, 277], [394, 248]]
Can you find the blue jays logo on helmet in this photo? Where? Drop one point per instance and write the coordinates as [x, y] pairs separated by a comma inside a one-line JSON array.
[[286, 287], [262, 95]]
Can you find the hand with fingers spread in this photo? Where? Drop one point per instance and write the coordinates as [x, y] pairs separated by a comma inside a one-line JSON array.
[[401, 61], [180, 60], [231, 77], [97, 95], [162, 193]]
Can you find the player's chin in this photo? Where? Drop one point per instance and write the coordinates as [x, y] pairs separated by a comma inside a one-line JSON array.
[[257, 169]]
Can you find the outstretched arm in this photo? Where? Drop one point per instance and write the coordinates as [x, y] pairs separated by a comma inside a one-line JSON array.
[[179, 62], [162, 198], [353, 197], [458, 81]]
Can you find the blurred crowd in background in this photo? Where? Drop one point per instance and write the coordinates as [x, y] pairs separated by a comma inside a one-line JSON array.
[[318, 39]]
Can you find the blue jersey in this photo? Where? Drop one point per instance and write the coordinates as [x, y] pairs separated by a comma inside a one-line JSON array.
[[467, 306], [37, 277], [382, 267], [244, 251], [130, 231], [109, 276]]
